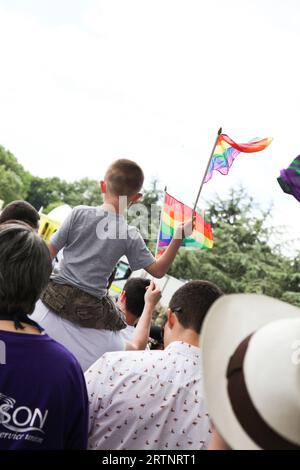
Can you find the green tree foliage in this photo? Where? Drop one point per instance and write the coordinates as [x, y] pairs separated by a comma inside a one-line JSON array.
[[14, 180], [45, 191], [16, 183], [84, 191], [52, 192], [242, 259]]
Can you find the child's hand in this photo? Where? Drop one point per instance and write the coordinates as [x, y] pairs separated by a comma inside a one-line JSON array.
[[153, 294], [185, 229]]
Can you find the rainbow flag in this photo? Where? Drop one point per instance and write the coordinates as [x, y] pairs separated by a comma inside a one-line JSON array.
[[289, 179], [173, 213], [227, 150]]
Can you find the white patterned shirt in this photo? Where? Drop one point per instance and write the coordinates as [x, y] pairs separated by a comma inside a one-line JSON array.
[[148, 400]]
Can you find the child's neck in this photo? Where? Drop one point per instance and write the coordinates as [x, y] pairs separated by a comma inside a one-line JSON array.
[[113, 204]]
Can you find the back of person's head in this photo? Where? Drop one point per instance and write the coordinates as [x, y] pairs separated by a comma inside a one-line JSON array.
[[23, 211], [156, 337], [192, 301], [135, 290], [25, 268], [124, 178]]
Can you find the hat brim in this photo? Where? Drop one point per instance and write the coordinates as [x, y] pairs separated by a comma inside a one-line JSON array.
[[230, 320]]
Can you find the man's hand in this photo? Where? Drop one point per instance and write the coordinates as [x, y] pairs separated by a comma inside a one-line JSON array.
[[140, 336], [153, 294]]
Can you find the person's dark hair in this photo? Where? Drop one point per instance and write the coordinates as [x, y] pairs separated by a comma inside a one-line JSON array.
[[23, 211], [124, 178], [135, 290], [25, 268], [156, 337], [192, 301]]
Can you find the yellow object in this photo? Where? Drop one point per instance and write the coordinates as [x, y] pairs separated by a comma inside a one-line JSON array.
[[47, 227], [116, 288]]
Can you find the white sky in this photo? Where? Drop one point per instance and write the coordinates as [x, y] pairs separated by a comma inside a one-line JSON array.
[[83, 82]]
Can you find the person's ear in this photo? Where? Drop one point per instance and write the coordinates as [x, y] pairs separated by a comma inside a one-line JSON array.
[[136, 197], [170, 318], [123, 296], [103, 187]]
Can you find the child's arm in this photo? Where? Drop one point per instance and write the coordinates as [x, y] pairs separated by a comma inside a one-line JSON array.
[[162, 265], [140, 337]]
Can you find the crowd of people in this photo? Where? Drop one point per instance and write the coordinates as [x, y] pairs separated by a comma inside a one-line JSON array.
[[76, 368]]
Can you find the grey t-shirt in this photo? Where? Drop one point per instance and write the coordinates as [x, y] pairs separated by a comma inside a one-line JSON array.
[[94, 241]]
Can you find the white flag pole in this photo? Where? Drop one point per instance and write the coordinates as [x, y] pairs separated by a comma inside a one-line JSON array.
[[160, 223], [210, 158]]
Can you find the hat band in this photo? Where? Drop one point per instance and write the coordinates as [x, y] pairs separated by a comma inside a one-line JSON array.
[[248, 417]]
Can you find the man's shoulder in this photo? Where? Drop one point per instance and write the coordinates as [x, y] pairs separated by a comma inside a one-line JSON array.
[[123, 359], [135, 356]]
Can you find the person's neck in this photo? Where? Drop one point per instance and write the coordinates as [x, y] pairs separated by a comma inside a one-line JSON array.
[[113, 204], [7, 325], [186, 336], [130, 318]]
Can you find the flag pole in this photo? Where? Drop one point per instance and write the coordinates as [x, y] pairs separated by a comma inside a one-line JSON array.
[[160, 223], [210, 158]]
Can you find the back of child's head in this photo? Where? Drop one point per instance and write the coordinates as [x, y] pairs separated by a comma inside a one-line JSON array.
[[21, 211], [124, 178]]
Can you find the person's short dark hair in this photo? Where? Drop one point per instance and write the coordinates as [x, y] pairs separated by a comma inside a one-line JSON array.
[[124, 178], [135, 290], [23, 211], [25, 268], [192, 301], [156, 337]]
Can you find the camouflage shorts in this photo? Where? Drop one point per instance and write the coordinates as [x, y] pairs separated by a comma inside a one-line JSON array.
[[84, 309]]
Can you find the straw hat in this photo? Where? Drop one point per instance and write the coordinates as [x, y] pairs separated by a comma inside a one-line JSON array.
[[251, 362]]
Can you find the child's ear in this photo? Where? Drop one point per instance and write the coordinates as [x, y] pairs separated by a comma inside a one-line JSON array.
[[103, 187], [136, 197], [123, 296]]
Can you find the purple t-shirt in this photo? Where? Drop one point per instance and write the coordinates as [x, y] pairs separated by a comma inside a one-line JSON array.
[[43, 398]]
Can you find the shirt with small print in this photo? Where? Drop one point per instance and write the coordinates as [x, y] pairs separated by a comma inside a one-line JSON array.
[[148, 400]]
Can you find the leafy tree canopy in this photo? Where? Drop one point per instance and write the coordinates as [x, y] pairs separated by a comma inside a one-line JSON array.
[[14, 180], [242, 259], [16, 183]]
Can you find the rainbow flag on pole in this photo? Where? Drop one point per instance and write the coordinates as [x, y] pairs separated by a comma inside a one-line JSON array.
[[227, 150], [173, 213]]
